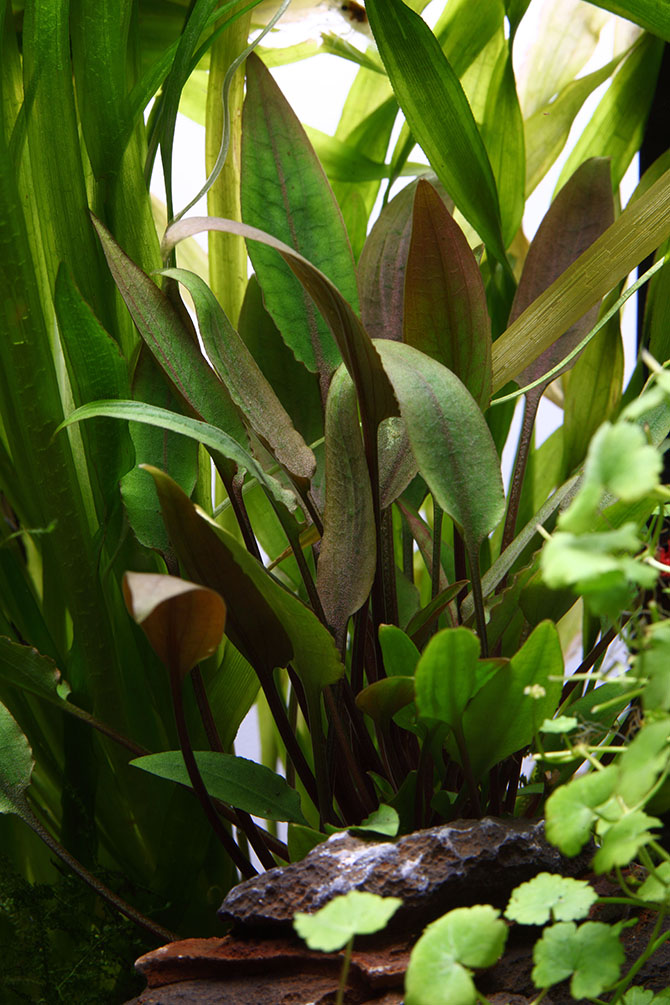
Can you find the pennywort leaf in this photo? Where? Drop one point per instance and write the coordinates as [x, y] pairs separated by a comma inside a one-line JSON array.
[[550, 898], [591, 956], [355, 913]]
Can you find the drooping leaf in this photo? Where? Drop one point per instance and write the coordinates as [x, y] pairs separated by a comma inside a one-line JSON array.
[[490, 736], [640, 229], [265, 622], [375, 395], [354, 913], [16, 765], [244, 380], [183, 621], [285, 191], [445, 313], [447, 431], [348, 556], [439, 968], [237, 781], [438, 114], [550, 898], [175, 350], [382, 699]]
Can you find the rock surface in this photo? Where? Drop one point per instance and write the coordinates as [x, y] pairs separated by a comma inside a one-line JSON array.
[[465, 862]]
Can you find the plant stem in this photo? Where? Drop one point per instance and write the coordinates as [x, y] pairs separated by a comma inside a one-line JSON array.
[[437, 550], [288, 738], [226, 839], [344, 973], [478, 598], [355, 776]]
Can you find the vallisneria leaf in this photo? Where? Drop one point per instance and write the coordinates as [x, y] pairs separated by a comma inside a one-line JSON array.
[[438, 114], [284, 191], [244, 379], [445, 313], [209, 436], [237, 781], [550, 898], [183, 621], [348, 556], [439, 968], [649, 14], [355, 913], [640, 229]]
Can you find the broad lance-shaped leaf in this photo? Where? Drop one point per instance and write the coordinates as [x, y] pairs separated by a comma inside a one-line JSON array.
[[381, 269], [347, 560], [175, 350], [445, 313], [438, 114], [285, 191], [183, 621], [640, 229], [237, 781], [450, 439], [375, 394], [209, 436], [244, 380], [269, 626], [449, 675]]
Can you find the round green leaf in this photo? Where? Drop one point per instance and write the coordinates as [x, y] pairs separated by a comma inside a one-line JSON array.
[[547, 897], [438, 971], [355, 913], [591, 955]]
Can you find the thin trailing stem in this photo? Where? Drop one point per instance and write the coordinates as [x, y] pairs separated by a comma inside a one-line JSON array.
[[525, 439], [164, 934]]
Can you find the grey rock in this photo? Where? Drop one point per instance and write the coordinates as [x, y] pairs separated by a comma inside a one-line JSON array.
[[432, 871]]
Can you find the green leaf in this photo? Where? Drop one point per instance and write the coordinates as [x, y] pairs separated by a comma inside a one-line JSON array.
[[491, 735], [384, 820], [439, 966], [621, 841], [183, 621], [285, 191], [24, 667], [640, 229], [570, 810], [447, 430], [382, 699], [550, 898], [355, 913], [244, 380], [649, 14], [400, 654], [656, 886], [208, 435], [590, 955], [616, 128], [503, 135], [438, 114], [593, 391], [445, 313], [16, 765], [450, 674], [561, 724], [237, 781], [348, 556]]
